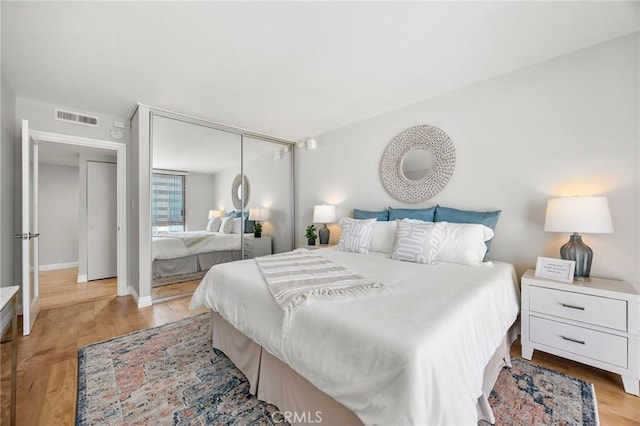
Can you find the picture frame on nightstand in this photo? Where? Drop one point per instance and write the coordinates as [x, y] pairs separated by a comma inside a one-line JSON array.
[[555, 269]]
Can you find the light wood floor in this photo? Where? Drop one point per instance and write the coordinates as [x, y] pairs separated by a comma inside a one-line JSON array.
[[47, 370]]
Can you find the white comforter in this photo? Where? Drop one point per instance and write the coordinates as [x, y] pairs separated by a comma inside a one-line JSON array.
[[180, 244], [413, 355]]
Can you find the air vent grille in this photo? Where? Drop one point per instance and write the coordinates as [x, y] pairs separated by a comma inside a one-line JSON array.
[[75, 117]]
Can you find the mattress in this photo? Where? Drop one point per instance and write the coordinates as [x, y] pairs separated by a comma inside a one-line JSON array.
[[181, 244], [411, 354]]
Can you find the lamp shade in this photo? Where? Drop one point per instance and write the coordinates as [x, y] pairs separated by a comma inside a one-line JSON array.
[[588, 215], [215, 213], [258, 214], [324, 214]]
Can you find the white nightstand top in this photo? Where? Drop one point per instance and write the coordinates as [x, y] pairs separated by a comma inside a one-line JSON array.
[[317, 246], [592, 285]]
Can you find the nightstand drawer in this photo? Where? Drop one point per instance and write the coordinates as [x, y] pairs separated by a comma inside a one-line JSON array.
[[601, 311], [592, 344]]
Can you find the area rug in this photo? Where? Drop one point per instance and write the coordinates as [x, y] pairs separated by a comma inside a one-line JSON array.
[[171, 375], [178, 278]]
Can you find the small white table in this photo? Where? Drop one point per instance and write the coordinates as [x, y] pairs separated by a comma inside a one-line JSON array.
[[595, 322], [8, 294]]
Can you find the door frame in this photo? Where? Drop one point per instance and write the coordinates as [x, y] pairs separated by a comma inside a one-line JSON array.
[[121, 191]]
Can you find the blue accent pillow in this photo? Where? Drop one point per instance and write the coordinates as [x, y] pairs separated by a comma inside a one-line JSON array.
[[364, 214], [420, 214], [448, 214]]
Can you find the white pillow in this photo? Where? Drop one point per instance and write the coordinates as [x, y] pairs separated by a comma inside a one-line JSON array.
[[237, 225], [356, 235], [384, 236], [227, 225], [418, 241], [464, 243], [214, 225]]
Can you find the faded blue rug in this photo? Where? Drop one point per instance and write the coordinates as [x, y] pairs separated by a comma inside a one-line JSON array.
[[171, 375]]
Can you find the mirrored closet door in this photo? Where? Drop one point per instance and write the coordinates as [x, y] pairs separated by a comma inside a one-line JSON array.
[[216, 196]]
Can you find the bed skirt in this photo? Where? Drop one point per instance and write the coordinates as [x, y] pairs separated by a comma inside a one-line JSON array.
[[301, 403], [193, 263]]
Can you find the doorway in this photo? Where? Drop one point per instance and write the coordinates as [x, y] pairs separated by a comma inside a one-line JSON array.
[[117, 151]]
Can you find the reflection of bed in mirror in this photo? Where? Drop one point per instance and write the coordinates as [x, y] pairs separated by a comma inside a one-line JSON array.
[[179, 253]]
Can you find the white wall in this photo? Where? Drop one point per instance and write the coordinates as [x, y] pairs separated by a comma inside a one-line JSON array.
[[199, 200], [40, 115], [569, 126], [58, 214], [7, 170]]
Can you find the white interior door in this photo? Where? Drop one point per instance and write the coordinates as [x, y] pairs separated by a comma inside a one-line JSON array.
[[30, 263], [102, 259]]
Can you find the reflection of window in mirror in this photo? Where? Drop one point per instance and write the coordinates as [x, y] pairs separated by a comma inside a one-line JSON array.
[[240, 192], [417, 163], [168, 197]]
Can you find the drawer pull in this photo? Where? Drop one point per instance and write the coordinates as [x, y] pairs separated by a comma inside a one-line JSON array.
[[581, 342], [580, 308]]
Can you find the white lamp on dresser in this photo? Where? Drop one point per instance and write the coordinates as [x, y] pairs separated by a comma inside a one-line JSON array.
[[587, 215], [324, 214]]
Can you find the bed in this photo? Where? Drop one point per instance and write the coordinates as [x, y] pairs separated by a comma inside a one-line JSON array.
[[187, 252], [425, 349]]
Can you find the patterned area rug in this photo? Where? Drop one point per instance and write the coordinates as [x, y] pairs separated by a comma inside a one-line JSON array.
[[171, 375], [178, 278]]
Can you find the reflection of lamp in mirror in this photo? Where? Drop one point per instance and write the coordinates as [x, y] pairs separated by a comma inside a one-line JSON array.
[[324, 214], [589, 215], [215, 213], [257, 215]]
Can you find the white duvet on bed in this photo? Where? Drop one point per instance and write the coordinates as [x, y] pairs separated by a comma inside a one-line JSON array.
[[180, 244], [412, 355]]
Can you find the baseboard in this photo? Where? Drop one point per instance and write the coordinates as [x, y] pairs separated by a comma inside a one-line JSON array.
[[56, 266], [142, 302], [82, 278]]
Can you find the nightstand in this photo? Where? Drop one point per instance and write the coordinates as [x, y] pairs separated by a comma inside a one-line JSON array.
[[256, 247], [595, 322], [316, 246]]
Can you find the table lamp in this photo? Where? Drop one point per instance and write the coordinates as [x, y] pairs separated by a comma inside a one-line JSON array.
[[215, 213], [588, 215], [324, 214], [257, 215]]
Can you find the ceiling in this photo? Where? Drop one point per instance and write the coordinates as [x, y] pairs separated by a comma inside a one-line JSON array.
[[290, 69]]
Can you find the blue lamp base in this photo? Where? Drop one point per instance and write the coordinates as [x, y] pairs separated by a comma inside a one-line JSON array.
[[576, 250]]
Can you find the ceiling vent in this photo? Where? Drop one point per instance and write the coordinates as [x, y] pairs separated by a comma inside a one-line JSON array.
[[75, 117]]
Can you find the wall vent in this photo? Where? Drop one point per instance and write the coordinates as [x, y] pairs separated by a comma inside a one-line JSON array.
[[75, 117]]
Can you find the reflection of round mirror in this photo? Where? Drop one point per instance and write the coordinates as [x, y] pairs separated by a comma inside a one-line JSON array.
[[417, 163], [240, 191]]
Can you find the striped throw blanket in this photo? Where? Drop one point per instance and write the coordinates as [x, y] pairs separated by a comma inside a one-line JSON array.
[[295, 277]]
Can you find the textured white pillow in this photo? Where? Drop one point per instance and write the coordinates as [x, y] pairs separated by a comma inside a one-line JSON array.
[[384, 236], [356, 235], [227, 225], [214, 225], [237, 225], [418, 241], [464, 243]]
